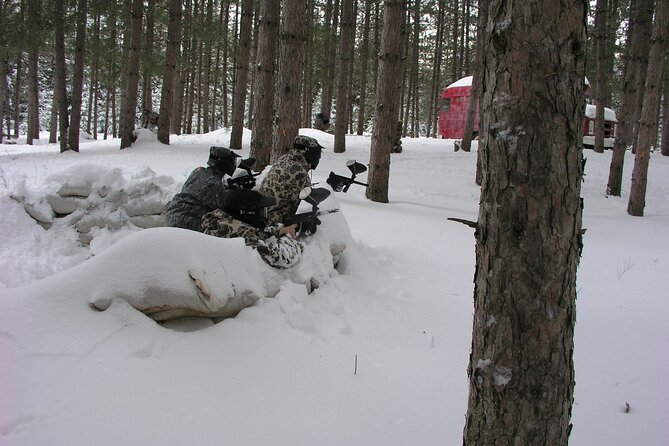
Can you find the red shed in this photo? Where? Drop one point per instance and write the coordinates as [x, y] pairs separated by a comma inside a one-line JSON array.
[[453, 112], [455, 101]]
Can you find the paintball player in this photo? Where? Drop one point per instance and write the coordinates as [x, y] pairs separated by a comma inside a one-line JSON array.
[[288, 176], [244, 214], [202, 192]]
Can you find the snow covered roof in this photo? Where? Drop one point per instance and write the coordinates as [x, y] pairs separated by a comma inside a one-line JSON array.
[[591, 110], [464, 82]]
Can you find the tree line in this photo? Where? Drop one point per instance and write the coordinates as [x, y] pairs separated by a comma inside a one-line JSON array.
[[276, 66], [92, 54]]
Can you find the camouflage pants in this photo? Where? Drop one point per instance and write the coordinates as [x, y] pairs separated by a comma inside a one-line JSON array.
[[279, 252]]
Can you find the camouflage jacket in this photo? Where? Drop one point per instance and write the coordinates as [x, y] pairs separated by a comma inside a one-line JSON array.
[[284, 181], [277, 251], [202, 192]]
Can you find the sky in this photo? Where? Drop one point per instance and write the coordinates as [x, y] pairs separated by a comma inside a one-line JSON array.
[[376, 354]]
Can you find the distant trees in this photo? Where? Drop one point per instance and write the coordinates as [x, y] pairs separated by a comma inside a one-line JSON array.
[[337, 67]]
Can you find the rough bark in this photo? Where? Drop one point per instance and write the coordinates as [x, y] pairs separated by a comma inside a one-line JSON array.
[[148, 63], [33, 81], [242, 75], [78, 80], [601, 26], [60, 89], [521, 375], [331, 23], [386, 112], [171, 52], [664, 139], [476, 80], [627, 114], [344, 79], [129, 99], [364, 56], [651, 101], [291, 48], [261, 132]]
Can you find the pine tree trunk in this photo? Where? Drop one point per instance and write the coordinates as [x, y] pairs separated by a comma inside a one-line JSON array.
[[646, 26], [474, 95], [129, 99], [263, 85], [78, 81], [206, 72], [601, 37], [60, 89], [33, 80], [345, 57], [17, 91], [625, 132], [528, 239], [364, 56], [651, 101], [664, 140], [148, 63], [386, 112], [242, 75], [167, 93], [331, 23], [291, 48], [4, 90]]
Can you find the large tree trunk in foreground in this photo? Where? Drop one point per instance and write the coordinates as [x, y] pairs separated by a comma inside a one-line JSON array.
[[528, 239]]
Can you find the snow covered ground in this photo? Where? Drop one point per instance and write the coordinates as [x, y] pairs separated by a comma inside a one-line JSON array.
[[376, 356]]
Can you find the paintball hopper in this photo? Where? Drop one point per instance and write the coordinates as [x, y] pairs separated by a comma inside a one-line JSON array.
[[341, 183], [247, 180], [314, 195]]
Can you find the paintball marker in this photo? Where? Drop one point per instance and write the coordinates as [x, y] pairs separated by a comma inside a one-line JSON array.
[[307, 222], [247, 180], [340, 183]]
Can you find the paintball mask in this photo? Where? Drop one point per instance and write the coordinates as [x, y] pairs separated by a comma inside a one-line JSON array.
[[312, 149], [223, 159]]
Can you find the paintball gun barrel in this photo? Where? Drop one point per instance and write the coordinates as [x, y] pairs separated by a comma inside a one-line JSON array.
[[246, 180], [307, 222], [340, 183]]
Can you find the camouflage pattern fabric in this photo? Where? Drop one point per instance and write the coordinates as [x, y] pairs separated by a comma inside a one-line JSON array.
[[202, 192], [277, 251], [284, 181]]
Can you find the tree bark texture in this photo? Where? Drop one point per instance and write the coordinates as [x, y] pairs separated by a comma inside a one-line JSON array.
[[291, 48], [167, 95], [601, 27], [129, 99], [78, 81], [521, 375], [386, 112], [261, 131], [60, 90], [664, 139], [627, 116], [345, 59], [476, 80], [242, 75], [364, 56], [33, 80], [651, 101]]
